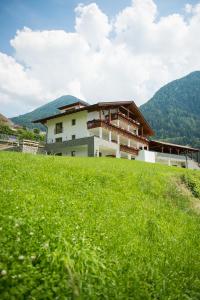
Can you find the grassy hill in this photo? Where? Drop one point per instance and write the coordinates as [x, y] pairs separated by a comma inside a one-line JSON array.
[[43, 111], [174, 111], [88, 228]]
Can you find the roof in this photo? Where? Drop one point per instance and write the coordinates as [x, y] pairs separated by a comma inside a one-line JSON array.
[[80, 102], [128, 104], [171, 145]]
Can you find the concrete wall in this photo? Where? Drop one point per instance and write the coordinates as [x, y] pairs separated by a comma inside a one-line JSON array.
[[167, 159], [148, 156], [83, 147]]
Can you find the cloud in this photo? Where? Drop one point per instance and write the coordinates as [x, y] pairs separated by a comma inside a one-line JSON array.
[[127, 57], [93, 25]]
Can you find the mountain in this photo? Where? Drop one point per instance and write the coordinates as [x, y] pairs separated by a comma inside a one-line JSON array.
[[43, 111], [5, 121], [174, 111]]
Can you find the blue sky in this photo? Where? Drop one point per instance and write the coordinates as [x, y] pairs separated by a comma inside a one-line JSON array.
[[103, 50], [59, 14]]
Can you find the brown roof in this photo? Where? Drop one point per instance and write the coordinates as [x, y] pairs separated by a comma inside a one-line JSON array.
[[128, 104], [81, 102], [154, 144]]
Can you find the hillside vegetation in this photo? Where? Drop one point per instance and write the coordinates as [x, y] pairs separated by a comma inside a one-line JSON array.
[[89, 228], [174, 111], [43, 111]]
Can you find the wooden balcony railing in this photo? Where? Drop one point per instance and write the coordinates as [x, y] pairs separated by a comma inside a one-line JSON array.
[[120, 115], [129, 149], [105, 124]]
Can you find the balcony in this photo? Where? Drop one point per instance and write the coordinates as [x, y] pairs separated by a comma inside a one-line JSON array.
[[128, 149], [123, 117], [105, 124]]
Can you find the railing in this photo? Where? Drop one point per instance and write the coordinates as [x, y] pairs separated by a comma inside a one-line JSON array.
[[101, 123], [116, 116], [9, 138], [129, 149], [168, 155]]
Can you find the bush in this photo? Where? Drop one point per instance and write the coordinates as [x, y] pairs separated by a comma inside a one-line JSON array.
[[192, 180], [4, 129]]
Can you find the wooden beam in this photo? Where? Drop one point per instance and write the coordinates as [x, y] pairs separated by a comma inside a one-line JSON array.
[[109, 116]]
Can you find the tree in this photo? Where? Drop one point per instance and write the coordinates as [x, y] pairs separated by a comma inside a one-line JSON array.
[[4, 129], [36, 130]]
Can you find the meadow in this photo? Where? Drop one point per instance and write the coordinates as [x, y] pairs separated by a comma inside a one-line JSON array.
[[89, 228]]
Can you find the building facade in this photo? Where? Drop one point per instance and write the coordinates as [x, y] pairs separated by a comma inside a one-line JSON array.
[[115, 129], [106, 129]]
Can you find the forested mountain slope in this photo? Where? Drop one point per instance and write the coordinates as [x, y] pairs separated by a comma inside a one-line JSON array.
[[48, 109], [174, 111]]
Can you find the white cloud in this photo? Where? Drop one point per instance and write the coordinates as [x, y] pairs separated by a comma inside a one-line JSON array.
[[188, 8], [92, 24], [128, 57]]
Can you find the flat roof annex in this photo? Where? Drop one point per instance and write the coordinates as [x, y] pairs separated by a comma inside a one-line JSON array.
[[155, 144]]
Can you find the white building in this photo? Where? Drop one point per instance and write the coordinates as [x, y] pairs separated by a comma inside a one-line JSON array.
[[115, 129]]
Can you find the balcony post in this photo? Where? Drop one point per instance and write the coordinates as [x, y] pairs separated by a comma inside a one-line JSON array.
[[100, 132], [118, 154], [118, 139], [142, 131], [109, 116], [110, 136], [186, 158], [129, 142]]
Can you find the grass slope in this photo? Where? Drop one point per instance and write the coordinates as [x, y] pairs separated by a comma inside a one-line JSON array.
[[84, 228]]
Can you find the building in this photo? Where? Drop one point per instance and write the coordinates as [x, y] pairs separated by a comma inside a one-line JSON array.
[[107, 129], [171, 155]]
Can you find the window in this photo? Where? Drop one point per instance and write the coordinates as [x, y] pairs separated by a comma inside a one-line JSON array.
[[73, 122], [58, 128], [73, 153], [73, 136], [59, 140]]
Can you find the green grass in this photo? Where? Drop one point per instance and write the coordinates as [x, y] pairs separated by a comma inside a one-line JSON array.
[[86, 228]]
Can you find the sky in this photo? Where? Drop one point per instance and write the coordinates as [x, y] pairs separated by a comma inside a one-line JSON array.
[[103, 50]]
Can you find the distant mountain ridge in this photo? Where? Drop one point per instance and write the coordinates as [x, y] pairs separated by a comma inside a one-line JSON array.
[[174, 111], [43, 111]]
